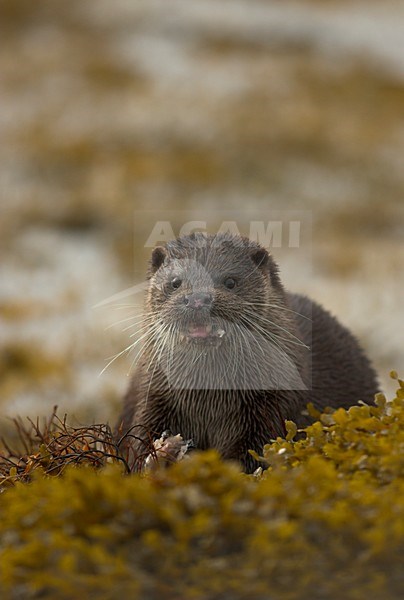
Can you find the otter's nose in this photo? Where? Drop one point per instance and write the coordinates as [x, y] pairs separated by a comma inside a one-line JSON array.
[[198, 300]]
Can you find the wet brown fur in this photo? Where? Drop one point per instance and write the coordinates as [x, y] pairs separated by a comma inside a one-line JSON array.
[[234, 395]]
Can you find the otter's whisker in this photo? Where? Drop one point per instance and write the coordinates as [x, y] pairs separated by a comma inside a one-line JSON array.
[[278, 306], [271, 322]]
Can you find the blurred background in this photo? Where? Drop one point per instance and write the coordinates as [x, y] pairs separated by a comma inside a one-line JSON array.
[[111, 108]]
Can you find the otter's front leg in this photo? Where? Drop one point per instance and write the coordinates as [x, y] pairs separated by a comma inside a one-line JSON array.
[[140, 424]]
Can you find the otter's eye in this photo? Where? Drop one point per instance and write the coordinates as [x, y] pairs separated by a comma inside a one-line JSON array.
[[176, 282], [230, 283]]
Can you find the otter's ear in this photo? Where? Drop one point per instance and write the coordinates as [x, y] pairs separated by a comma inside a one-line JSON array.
[[259, 256], [157, 258], [263, 260]]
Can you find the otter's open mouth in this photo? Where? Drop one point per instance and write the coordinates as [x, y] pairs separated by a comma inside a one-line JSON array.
[[204, 334]]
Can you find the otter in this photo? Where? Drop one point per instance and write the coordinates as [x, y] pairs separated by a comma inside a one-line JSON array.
[[229, 354]]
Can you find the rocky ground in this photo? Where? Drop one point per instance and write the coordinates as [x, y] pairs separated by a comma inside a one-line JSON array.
[[109, 109]]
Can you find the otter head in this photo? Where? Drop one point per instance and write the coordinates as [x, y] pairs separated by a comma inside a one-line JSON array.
[[208, 302], [200, 285]]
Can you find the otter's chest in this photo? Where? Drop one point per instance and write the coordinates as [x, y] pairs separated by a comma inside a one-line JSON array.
[[212, 418]]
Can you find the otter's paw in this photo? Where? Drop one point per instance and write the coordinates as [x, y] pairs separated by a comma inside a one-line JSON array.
[[166, 450]]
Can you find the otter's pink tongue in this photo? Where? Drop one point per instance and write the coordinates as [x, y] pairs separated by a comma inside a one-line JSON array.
[[200, 331]]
